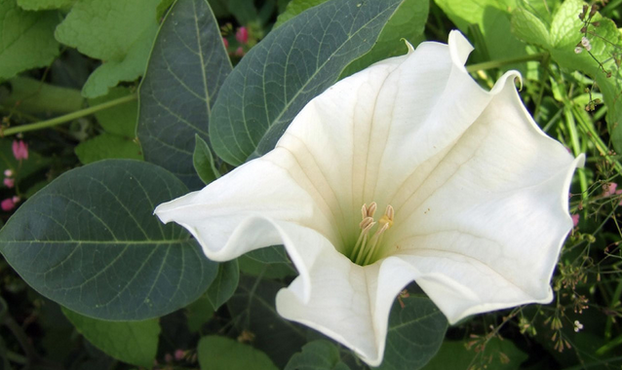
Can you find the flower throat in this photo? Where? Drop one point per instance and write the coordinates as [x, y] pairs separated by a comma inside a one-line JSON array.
[[368, 241]]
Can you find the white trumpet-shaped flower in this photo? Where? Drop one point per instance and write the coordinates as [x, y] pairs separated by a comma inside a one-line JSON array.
[[407, 170]]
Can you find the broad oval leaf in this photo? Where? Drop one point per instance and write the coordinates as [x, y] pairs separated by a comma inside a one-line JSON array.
[[416, 332], [188, 64], [222, 353], [292, 65], [317, 355], [90, 242]]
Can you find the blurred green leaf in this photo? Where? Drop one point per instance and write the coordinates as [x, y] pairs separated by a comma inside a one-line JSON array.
[[298, 61], [187, 66], [224, 284], [221, 353], [35, 97], [294, 8], [203, 161], [199, 313], [317, 355], [497, 355], [134, 342], [107, 146], [407, 23], [492, 19], [564, 36], [120, 33], [90, 242], [27, 39], [416, 332], [120, 119], [44, 4]]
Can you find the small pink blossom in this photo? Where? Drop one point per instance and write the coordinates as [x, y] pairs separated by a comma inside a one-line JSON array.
[[9, 183], [20, 150], [239, 52], [226, 42], [180, 354], [610, 189], [8, 173], [168, 358], [575, 219], [16, 199], [7, 204], [242, 35]]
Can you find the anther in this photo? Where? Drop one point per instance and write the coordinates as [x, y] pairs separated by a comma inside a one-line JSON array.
[[367, 223], [372, 209]]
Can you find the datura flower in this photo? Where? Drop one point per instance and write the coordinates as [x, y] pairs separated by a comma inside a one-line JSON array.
[[407, 170]]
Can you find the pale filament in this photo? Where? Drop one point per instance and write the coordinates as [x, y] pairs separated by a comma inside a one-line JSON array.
[[366, 246]]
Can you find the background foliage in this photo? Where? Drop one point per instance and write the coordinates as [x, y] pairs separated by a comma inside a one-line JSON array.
[[125, 104]]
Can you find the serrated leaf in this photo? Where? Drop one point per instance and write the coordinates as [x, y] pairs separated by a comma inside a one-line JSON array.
[[44, 4], [252, 308], [416, 332], [187, 66], [292, 65], [221, 353], [27, 39], [203, 161], [407, 23], [90, 242], [317, 355], [134, 342], [497, 355], [294, 8], [107, 146], [492, 18], [118, 32], [35, 97], [224, 284]]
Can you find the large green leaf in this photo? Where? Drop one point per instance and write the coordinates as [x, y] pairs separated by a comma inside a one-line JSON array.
[[107, 146], [27, 39], [90, 242], [44, 4], [407, 23], [416, 331], [492, 19], [292, 65], [134, 342], [221, 353], [225, 283], [118, 32], [317, 355], [187, 66], [294, 8]]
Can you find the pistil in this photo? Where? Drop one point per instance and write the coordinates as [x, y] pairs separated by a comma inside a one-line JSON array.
[[366, 246]]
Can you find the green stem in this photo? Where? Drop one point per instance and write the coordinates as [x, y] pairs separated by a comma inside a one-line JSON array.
[[17, 358], [576, 149], [503, 62], [67, 117]]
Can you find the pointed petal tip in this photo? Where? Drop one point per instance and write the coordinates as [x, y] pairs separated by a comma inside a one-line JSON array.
[[459, 48]]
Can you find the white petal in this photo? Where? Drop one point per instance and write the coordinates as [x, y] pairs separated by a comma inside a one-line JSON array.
[[489, 215]]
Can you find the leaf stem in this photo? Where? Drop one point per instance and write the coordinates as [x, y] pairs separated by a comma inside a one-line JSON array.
[[503, 62], [67, 117]]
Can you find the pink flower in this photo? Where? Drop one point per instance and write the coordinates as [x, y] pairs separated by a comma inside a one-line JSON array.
[[242, 35], [239, 52], [226, 42], [16, 199], [8, 173], [168, 358], [179, 354], [9, 183], [609, 189], [20, 150], [7, 204], [575, 219]]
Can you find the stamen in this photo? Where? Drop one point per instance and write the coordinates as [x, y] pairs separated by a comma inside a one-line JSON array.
[[365, 247]]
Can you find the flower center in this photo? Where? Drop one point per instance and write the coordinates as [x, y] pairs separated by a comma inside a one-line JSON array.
[[371, 234]]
